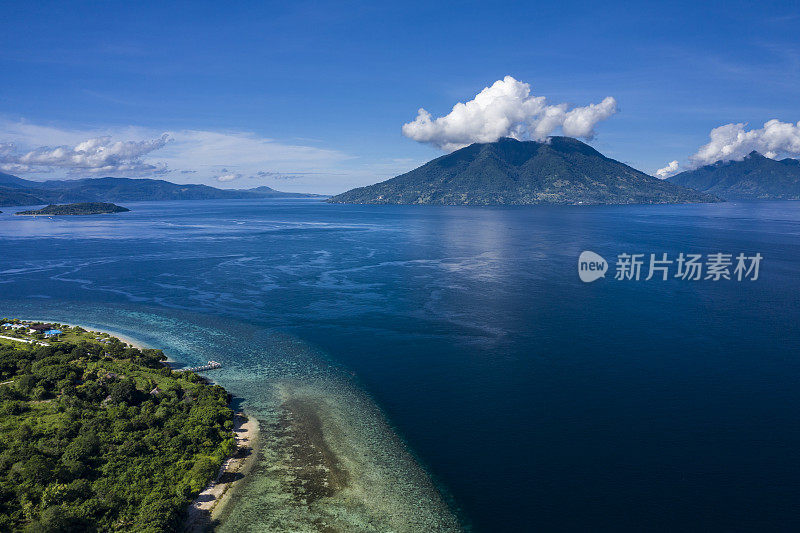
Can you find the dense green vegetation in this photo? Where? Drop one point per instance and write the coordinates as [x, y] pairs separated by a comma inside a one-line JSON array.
[[754, 178], [99, 436], [90, 208], [559, 171]]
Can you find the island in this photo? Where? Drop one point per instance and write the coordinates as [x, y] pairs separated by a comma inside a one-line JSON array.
[[756, 177], [561, 170], [89, 208], [18, 191], [99, 435]]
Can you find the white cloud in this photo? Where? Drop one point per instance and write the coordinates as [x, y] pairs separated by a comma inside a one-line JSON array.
[[196, 156], [201, 156], [229, 176], [733, 142], [506, 109], [98, 155], [667, 171], [25, 134], [580, 122]]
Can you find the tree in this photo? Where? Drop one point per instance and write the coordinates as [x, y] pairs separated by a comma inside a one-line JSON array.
[[25, 384], [123, 391]]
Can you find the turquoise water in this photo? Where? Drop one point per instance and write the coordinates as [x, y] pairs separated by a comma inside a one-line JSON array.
[[532, 400]]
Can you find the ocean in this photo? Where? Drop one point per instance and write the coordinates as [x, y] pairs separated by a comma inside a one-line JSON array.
[[459, 353]]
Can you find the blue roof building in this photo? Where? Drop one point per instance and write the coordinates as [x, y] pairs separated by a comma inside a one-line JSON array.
[[52, 332]]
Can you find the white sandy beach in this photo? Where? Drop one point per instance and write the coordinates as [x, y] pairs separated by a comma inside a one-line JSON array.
[[209, 503]]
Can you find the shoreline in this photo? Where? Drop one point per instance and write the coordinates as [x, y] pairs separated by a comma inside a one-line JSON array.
[[322, 466], [325, 458], [133, 342], [207, 506], [205, 509], [212, 500], [124, 338]]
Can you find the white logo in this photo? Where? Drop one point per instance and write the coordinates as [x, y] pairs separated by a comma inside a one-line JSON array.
[[663, 266], [591, 266]]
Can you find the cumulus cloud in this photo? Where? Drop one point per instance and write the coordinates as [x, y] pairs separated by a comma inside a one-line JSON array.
[[29, 149], [733, 142], [506, 109], [198, 156], [580, 122], [668, 170], [98, 155], [228, 176]]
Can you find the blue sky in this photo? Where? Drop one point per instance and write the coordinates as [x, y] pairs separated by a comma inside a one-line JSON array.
[[312, 95]]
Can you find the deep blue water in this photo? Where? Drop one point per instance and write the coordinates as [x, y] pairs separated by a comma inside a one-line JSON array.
[[537, 401]]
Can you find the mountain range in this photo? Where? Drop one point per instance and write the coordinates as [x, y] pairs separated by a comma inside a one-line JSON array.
[[18, 191], [561, 170], [754, 178]]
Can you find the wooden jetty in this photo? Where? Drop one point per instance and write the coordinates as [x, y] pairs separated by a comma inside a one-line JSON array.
[[211, 365]]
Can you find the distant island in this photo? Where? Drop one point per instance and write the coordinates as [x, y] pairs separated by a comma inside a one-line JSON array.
[[756, 177], [98, 435], [268, 192], [89, 208], [18, 191], [561, 170]]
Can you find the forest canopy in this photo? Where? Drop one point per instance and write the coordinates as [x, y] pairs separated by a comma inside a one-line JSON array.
[[100, 436]]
